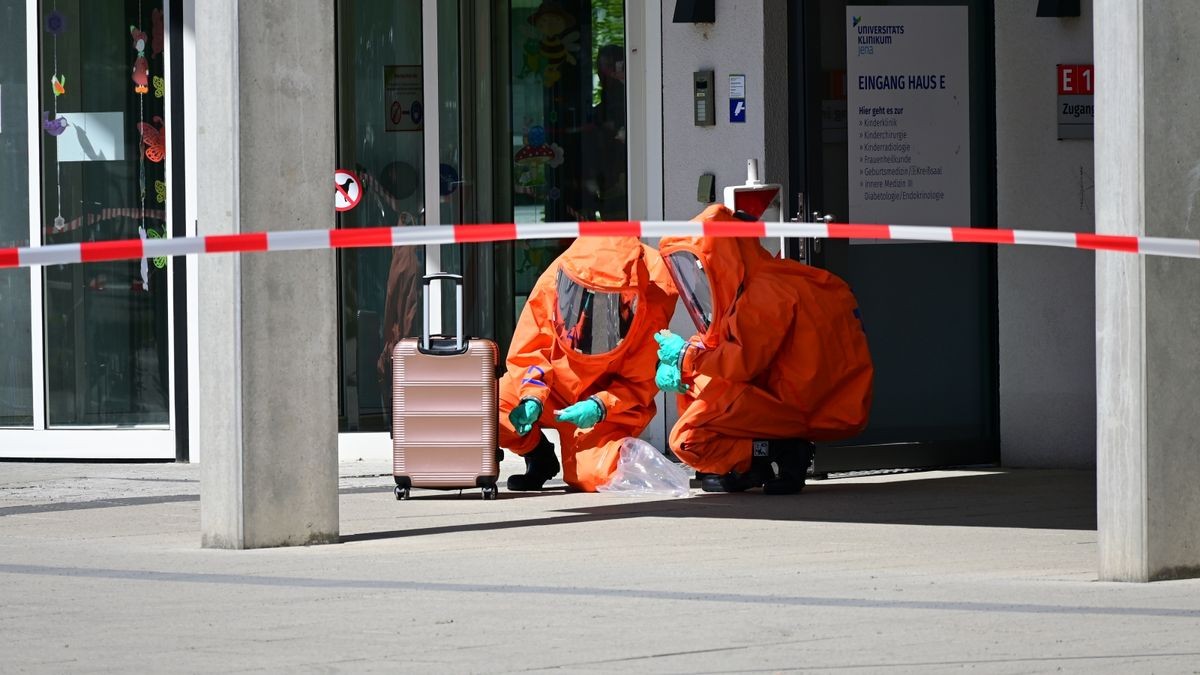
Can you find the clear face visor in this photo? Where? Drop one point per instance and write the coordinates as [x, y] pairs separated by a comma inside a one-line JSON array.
[[692, 282], [592, 322]]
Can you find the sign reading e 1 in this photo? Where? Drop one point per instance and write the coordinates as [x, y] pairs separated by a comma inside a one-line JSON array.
[[1076, 106]]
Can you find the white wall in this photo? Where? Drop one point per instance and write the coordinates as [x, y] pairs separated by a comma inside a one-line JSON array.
[[1046, 296], [748, 38]]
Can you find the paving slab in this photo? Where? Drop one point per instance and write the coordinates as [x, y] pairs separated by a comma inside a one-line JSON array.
[[987, 570]]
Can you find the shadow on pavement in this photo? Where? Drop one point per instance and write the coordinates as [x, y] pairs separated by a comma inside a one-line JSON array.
[[149, 500], [1059, 500]]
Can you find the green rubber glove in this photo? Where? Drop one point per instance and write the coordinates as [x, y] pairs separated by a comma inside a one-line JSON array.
[[524, 415], [585, 414], [670, 346], [668, 378]]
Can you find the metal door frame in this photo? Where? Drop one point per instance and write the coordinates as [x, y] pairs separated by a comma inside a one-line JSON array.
[[804, 79]]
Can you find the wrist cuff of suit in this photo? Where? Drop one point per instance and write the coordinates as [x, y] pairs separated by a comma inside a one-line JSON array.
[[603, 408], [687, 347], [541, 404]]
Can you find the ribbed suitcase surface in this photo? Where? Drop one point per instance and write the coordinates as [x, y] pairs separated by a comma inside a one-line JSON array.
[[444, 413]]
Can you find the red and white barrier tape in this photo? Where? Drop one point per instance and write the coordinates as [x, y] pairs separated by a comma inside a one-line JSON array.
[[300, 240]]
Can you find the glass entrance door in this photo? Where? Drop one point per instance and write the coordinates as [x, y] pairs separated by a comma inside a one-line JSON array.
[[87, 359], [104, 177], [929, 309], [530, 126], [567, 128], [16, 348], [399, 136]]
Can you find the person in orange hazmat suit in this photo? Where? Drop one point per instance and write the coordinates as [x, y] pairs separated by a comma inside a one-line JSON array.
[[780, 360], [582, 361]]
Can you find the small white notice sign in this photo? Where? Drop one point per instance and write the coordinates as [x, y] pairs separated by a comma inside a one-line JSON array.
[[737, 86]]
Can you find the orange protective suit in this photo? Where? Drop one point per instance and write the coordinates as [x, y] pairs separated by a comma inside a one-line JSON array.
[[543, 365], [785, 355]]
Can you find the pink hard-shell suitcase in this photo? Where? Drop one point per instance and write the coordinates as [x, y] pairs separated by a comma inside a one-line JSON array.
[[444, 408]]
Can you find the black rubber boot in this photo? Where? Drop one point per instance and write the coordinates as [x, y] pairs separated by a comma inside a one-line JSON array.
[[759, 473], [541, 464], [731, 482], [792, 457], [735, 481]]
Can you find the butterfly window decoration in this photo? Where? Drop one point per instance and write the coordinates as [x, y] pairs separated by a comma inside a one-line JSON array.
[[160, 86], [160, 191], [155, 139], [161, 261]]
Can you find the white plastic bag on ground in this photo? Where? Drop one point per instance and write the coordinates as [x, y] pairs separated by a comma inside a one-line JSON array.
[[643, 471]]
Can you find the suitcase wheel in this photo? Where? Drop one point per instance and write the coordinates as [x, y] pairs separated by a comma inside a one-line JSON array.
[[402, 492], [490, 492]]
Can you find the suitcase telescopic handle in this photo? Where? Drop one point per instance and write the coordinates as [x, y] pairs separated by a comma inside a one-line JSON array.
[[442, 276], [458, 316]]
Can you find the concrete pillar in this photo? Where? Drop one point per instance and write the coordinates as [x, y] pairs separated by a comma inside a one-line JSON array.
[[1147, 317], [268, 337]]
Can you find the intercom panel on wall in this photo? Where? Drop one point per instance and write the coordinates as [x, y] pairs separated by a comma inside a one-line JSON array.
[[703, 95]]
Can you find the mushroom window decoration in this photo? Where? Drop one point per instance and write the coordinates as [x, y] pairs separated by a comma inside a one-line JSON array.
[[534, 155]]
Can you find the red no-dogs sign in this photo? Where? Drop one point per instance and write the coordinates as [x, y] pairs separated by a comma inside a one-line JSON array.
[[347, 190]]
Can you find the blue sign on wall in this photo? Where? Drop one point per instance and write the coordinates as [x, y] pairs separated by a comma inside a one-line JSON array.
[[737, 110]]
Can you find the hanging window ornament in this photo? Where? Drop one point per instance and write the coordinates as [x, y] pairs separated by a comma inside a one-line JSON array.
[[144, 233], [160, 87], [156, 32], [141, 67], [155, 139], [52, 124], [160, 191], [56, 24]]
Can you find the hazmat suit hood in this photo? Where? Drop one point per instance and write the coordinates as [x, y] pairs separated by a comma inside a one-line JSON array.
[[709, 272], [600, 287], [606, 263]]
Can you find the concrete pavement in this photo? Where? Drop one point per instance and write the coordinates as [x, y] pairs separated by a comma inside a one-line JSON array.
[[993, 571]]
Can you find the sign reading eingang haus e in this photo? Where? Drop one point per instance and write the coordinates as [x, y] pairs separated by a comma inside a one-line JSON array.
[[1076, 106], [908, 112]]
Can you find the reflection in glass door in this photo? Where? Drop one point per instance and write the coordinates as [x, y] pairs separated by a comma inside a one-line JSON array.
[[384, 128], [568, 124]]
